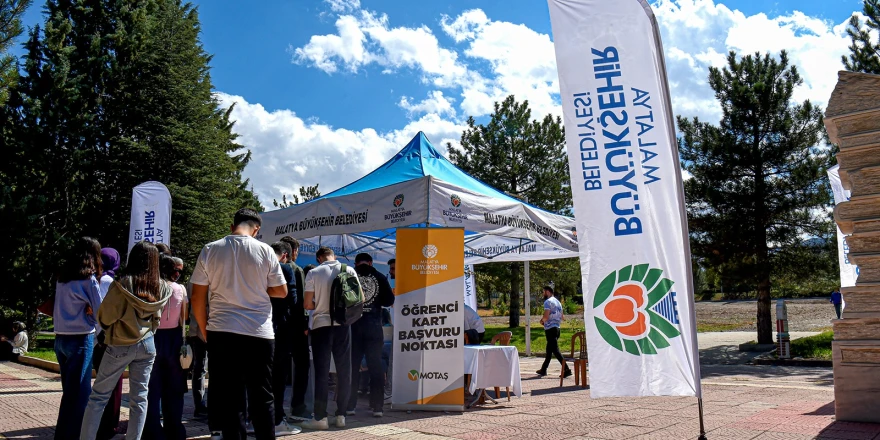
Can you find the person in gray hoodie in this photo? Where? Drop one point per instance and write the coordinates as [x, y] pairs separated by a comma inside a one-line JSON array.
[[129, 315]]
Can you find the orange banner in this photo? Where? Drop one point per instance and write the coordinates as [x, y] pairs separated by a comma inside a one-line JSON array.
[[427, 257]]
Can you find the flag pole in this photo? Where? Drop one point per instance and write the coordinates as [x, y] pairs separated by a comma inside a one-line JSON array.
[[702, 425]]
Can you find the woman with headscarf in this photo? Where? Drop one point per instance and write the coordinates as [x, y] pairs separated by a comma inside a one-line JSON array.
[[110, 420]]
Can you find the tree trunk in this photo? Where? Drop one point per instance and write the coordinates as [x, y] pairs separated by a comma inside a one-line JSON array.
[[514, 295], [765, 324]]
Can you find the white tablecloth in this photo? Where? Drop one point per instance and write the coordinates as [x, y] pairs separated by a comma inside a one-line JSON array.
[[493, 366]]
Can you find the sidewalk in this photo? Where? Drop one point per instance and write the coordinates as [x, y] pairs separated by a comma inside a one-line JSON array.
[[741, 402]]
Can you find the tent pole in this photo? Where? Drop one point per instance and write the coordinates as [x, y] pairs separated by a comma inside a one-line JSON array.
[[528, 302]]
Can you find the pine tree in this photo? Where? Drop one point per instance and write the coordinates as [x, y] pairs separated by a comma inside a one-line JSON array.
[[522, 157], [864, 50], [758, 177], [113, 94], [306, 194], [10, 28]]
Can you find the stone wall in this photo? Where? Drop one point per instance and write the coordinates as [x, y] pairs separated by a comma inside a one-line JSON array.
[[853, 122]]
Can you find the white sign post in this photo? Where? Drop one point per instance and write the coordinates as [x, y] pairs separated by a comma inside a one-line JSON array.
[[150, 214], [625, 173]]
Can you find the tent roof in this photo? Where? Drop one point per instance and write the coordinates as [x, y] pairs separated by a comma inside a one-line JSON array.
[[418, 159]]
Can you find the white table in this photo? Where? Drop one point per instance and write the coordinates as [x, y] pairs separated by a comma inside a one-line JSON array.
[[493, 366]]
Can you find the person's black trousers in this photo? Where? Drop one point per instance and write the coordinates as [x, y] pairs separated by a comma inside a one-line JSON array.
[[552, 336], [367, 340], [299, 342], [241, 384], [335, 340], [166, 389], [280, 370], [199, 368]]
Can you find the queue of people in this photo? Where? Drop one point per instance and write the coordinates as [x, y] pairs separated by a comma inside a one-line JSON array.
[[249, 307]]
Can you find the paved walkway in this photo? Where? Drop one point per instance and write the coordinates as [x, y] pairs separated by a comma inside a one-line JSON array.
[[741, 402]]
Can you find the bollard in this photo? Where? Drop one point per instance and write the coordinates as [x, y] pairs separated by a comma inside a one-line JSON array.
[[782, 339]]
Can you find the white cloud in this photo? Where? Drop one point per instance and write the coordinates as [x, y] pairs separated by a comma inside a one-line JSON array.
[[289, 152], [434, 103], [367, 38], [343, 5], [490, 59], [699, 33]]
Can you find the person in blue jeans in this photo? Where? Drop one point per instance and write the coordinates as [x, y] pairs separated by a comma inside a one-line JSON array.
[[77, 297], [837, 300], [129, 315]]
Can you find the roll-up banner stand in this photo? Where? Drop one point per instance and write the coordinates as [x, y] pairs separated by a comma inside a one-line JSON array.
[[428, 348], [150, 214]]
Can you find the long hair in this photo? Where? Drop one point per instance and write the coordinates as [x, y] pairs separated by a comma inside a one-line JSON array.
[[81, 261], [143, 268], [168, 266]]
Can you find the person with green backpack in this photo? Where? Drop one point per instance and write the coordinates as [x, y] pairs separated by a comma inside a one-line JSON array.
[[334, 295]]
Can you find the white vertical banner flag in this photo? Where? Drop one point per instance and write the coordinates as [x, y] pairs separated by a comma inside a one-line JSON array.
[[848, 271], [628, 199], [470, 286], [150, 214]]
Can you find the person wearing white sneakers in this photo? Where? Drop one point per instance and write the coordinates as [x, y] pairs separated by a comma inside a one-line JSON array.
[[328, 337]]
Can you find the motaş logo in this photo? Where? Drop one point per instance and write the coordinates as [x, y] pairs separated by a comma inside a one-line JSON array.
[[414, 375]]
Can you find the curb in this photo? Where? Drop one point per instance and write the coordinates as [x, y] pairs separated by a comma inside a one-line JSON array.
[[52, 366], [792, 362]]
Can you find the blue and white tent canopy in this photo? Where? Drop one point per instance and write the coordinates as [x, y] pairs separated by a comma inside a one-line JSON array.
[[420, 187]]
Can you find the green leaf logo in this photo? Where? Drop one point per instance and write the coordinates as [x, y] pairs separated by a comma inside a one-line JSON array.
[[413, 375], [634, 310]]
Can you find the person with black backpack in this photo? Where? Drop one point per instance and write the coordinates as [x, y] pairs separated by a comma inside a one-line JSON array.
[[366, 333], [336, 299]]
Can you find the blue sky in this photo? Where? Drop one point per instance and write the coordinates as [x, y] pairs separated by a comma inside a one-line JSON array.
[[327, 90]]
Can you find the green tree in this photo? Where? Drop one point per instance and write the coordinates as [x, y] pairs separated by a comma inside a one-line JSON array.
[[758, 177], [306, 194], [864, 50], [10, 28], [522, 157], [112, 94]]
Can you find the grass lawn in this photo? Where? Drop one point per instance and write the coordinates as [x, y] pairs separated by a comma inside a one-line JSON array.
[[539, 342], [43, 347], [813, 347]]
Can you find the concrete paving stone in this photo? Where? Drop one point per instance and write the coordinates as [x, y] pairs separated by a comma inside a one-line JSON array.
[[479, 435], [620, 432], [732, 433], [770, 435]]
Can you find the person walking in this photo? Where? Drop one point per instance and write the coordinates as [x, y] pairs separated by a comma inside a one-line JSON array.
[[168, 380], [110, 420], [77, 300], [551, 320], [299, 339], [837, 301], [366, 333], [130, 317], [327, 337], [242, 274]]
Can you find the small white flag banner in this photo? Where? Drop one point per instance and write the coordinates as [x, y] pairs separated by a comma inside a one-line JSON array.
[[150, 214], [848, 272], [470, 286], [627, 190]]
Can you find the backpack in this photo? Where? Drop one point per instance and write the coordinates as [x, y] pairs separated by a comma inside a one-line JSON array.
[[346, 298]]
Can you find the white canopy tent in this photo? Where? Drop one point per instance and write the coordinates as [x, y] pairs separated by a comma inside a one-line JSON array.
[[419, 187]]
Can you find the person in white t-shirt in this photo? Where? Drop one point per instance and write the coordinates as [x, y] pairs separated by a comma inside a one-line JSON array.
[[473, 326], [327, 337], [241, 274]]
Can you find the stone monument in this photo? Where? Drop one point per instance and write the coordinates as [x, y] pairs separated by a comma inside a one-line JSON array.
[[853, 122]]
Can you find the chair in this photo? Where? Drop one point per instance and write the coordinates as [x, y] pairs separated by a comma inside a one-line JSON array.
[[579, 359], [504, 339]]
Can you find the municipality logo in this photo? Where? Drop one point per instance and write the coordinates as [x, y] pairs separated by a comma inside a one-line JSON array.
[[429, 251], [413, 375], [635, 310], [398, 200], [455, 200]]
